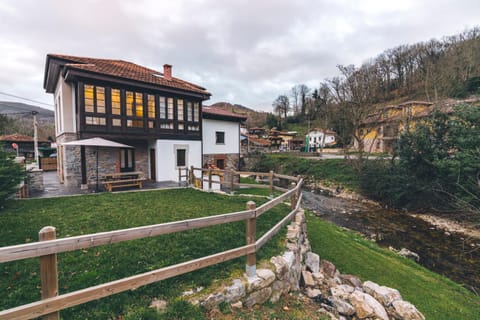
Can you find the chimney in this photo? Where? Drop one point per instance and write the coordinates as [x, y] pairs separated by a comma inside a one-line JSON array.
[[167, 71]]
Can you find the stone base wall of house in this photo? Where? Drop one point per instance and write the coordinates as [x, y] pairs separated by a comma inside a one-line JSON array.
[[68, 163], [108, 161], [231, 160]]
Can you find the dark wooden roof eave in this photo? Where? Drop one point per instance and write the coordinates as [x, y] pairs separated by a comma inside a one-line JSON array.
[[71, 75], [212, 116]]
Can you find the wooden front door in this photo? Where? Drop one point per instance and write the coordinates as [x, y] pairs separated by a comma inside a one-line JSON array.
[[153, 174]]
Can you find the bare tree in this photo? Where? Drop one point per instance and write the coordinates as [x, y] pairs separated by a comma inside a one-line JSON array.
[[281, 105]]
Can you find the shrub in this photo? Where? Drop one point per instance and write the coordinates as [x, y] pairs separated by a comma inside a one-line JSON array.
[[11, 174]]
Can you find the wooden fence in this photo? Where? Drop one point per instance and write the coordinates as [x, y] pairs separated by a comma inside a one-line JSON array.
[[228, 179], [48, 164], [48, 247]]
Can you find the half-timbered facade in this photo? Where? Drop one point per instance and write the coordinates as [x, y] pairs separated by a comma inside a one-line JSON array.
[[156, 113]]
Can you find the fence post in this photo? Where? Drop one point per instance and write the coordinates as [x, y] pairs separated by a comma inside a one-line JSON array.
[[191, 177], [232, 181], [251, 266], [179, 175], [293, 198], [270, 177], [209, 179], [48, 271]]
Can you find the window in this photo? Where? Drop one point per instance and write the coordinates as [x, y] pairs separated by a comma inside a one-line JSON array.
[[129, 103], [89, 98], [189, 111], [196, 112], [221, 163], [220, 137], [180, 110], [138, 104], [95, 121], [151, 106], [134, 107], [94, 105], [170, 108], [181, 157], [127, 160], [162, 104], [100, 99], [116, 102]]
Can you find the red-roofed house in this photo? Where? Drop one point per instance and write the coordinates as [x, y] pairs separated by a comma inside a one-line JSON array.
[[24, 144], [156, 113]]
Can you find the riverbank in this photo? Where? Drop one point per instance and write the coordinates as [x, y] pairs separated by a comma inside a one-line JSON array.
[[450, 226], [467, 228], [435, 296]]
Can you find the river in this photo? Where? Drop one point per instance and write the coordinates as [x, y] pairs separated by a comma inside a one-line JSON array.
[[451, 254]]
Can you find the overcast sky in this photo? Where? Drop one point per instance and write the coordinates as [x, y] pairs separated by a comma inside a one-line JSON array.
[[245, 52]]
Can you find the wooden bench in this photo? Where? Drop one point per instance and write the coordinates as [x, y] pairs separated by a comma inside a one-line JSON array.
[[121, 180]]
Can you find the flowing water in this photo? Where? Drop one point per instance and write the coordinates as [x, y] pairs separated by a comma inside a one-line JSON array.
[[453, 255]]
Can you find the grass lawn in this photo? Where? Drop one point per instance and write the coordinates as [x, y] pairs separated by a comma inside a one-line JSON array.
[[330, 171], [435, 296], [21, 221]]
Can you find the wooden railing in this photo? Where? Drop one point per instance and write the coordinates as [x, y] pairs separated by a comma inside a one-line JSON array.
[[228, 178], [48, 247]]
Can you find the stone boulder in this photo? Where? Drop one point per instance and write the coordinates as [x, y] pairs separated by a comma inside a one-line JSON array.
[[384, 295], [404, 252], [405, 310], [327, 268], [342, 306], [258, 297], [312, 262], [351, 280], [264, 278], [342, 291], [308, 279], [366, 306], [235, 292], [281, 267]]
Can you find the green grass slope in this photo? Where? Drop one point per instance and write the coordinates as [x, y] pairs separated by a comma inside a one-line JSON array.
[[21, 221], [435, 296]]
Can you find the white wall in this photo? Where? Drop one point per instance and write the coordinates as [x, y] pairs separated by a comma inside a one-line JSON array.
[[65, 108], [232, 138], [166, 165]]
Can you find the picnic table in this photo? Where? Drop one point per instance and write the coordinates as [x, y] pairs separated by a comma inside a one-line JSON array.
[[122, 179]]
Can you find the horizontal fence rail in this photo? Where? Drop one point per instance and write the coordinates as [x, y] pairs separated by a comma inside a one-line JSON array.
[[37, 249], [51, 303]]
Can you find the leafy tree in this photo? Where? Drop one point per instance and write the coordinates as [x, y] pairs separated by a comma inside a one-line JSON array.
[[438, 168], [11, 174]]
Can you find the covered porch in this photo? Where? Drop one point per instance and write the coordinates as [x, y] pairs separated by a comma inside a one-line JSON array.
[[53, 187]]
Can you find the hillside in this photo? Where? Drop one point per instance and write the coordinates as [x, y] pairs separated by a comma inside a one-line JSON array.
[[19, 119], [7, 107], [254, 118]]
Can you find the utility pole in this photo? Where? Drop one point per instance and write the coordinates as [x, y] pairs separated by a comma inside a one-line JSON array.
[[35, 138]]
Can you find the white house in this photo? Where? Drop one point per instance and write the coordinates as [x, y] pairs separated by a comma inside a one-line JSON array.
[[155, 113], [221, 138], [320, 138]]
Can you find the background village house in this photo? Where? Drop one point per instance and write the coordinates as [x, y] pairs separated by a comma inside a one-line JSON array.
[[381, 130], [320, 138]]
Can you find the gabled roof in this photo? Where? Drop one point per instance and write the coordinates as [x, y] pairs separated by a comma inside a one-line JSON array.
[[220, 114], [114, 69]]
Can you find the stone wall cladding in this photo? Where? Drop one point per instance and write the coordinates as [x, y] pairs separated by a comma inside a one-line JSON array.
[[231, 160], [298, 269], [108, 161]]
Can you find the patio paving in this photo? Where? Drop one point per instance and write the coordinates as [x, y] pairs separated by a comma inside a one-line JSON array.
[[53, 187]]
